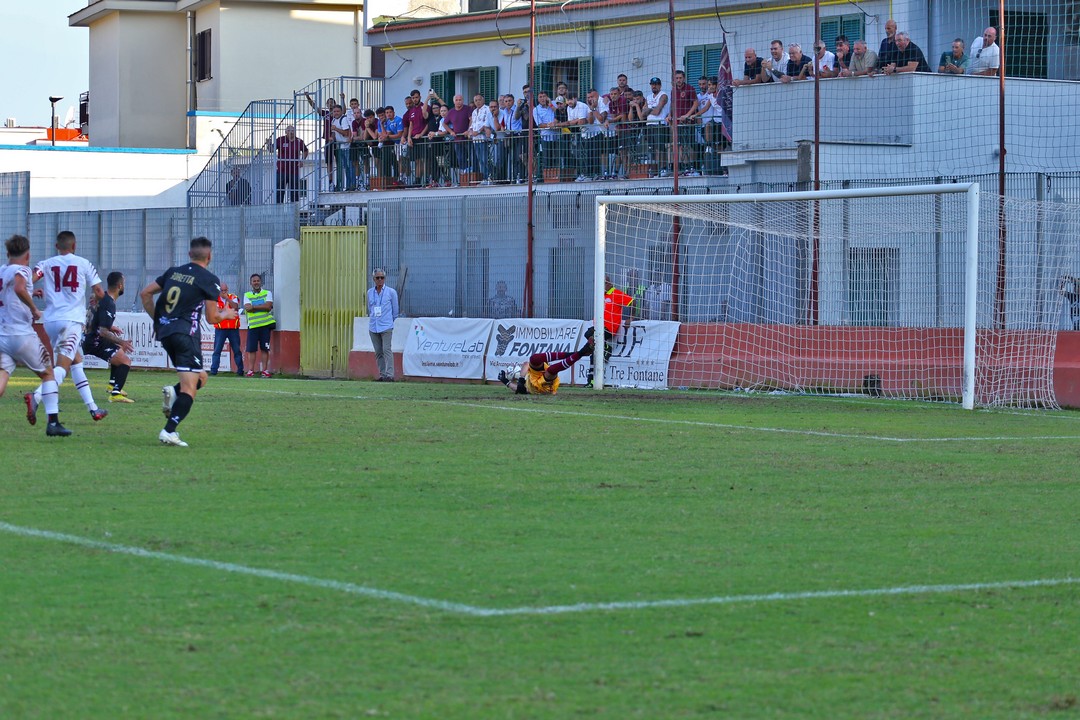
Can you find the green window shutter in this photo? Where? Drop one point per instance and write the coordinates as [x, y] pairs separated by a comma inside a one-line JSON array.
[[443, 84], [541, 78], [694, 62], [854, 27], [712, 63], [830, 30], [489, 83], [584, 75]]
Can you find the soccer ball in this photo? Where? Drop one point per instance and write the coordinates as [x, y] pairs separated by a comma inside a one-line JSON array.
[[513, 373]]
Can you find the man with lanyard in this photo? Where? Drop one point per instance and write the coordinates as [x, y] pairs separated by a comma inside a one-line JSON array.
[[291, 152], [186, 291], [382, 302], [258, 306], [227, 330], [103, 339]]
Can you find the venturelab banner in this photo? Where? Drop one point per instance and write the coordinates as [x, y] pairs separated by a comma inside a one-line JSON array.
[[446, 347]]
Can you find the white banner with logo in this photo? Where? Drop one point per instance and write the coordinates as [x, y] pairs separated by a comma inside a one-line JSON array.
[[446, 347], [513, 340], [148, 353], [640, 356]]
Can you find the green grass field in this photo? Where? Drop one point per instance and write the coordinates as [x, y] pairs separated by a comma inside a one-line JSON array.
[[344, 550]]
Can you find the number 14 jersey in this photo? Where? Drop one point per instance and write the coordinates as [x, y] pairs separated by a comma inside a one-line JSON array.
[[65, 281]]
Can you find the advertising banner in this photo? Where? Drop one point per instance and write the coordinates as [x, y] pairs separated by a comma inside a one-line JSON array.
[[138, 328], [513, 340], [446, 347], [640, 356]]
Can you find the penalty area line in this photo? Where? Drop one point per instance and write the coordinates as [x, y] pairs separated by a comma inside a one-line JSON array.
[[475, 611]]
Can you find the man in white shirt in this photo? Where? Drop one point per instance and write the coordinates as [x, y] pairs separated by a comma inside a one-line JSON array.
[[66, 277], [774, 66], [657, 132], [577, 117], [985, 55], [481, 129], [824, 62], [19, 342]]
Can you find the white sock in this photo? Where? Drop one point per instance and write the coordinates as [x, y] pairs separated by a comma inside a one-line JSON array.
[[50, 395], [78, 376], [59, 373]]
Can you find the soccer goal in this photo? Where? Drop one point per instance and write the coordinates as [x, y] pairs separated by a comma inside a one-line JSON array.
[[919, 292]]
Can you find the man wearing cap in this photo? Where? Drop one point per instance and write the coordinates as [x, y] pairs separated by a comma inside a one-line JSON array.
[[656, 132]]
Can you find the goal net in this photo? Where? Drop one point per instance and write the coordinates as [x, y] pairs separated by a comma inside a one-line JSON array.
[[921, 292]]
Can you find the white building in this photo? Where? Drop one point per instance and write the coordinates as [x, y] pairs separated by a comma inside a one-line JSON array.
[[156, 65]]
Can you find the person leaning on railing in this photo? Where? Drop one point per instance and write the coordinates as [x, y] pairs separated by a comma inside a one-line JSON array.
[[328, 134]]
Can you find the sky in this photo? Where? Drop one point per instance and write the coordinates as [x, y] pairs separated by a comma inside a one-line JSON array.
[[42, 56]]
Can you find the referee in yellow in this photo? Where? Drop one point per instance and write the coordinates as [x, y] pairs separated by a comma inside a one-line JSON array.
[[259, 308]]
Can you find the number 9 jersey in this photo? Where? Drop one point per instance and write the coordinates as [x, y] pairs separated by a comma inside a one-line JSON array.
[[184, 290]]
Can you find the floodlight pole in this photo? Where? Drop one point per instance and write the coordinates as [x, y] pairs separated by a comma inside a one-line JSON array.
[[53, 99]]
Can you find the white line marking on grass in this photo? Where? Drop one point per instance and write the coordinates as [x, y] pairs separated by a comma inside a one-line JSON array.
[[462, 609], [694, 423]]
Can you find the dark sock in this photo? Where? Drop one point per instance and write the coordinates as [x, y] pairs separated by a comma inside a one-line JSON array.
[[119, 377], [55, 417], [180, 409]]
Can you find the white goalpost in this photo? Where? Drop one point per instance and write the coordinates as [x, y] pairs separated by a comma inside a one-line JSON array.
[[917, 292]]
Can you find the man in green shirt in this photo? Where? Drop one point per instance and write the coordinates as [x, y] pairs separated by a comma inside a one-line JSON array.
[[955, 62], [259, 307]]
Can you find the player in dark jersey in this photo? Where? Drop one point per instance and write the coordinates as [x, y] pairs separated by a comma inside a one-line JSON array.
[[102, 338], [186, 291]]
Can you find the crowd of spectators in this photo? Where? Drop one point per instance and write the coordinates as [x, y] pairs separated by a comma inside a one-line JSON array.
[[616, 134]]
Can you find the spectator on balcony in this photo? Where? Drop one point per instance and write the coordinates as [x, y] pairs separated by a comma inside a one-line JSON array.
[[842, 66], [751, 69], [291, 153], [544, 119], [798, 67], [684, 101], [908, 58], [619, 129], [329, 145], [774, 66], [954, 62], [501, 305], [352, 110], [887, 52], [441, 140], [390, 133], [823, 62], [238, 189], [415, 124], [458, 119], [863, 60], [342, 129], [369, 141], [712, 119], [624, 87], [523, 109], [985, 58], [594, 145], [657, 134], [481, 131], [577, 118], [504, 150]]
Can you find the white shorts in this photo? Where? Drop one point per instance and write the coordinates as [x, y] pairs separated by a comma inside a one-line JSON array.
[[23, 349], [66, 338]]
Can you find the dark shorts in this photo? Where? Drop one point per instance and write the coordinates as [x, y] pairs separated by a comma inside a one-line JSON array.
[[259, 338], [99, 348], [184, 351]]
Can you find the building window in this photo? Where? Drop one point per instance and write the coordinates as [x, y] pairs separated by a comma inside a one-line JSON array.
[[466, 82], [701, 60], [202, 56], [873, 275], [483, 5], [849, 25], [577, 73]]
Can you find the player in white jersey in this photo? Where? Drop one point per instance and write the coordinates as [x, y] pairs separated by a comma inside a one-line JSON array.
[[65, 279], [19, 342]]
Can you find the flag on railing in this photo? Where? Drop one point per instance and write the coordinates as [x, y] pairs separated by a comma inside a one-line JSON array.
[[723, 87]]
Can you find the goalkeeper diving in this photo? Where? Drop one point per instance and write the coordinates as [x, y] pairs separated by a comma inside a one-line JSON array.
[[542, 372]]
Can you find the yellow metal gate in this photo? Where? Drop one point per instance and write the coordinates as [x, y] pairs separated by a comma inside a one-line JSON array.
[[333, 291]]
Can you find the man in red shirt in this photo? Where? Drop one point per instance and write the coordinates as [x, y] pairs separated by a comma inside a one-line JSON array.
[[684, 110], [227, 330], [291, 151]]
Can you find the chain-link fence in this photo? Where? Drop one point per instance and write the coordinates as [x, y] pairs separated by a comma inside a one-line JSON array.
[[14, 202]]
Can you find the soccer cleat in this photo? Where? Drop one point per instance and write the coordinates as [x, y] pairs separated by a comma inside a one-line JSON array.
[[55, 429], [503, 378], [31, 408], [113, 391], [98, 414], [119, 398], [265, 373], [171, 438], [249, 373], [168, 397]]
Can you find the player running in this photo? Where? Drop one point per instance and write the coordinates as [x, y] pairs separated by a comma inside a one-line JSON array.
[[542, 372], [103, 339], [186, 291], [65, 279], [18, 340]]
